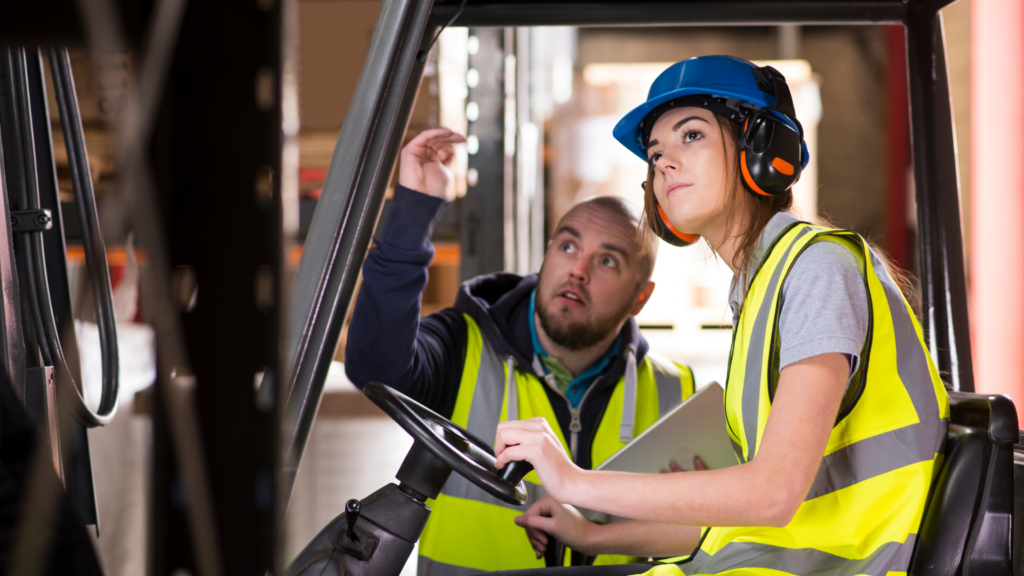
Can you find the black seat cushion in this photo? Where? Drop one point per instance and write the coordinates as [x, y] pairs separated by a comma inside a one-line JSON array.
[[968, 521], [947, 520]]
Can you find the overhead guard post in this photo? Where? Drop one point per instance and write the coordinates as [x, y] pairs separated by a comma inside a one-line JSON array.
[[349, 205], [940, 231]]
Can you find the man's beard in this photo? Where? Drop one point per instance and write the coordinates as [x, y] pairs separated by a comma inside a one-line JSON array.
[[580, 335]]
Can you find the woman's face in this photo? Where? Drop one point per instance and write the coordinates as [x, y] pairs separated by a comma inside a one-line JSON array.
[[693, 177]]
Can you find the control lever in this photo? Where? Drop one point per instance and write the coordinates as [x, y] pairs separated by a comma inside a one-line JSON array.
[[514, 472], [351, 517], [354, 544]]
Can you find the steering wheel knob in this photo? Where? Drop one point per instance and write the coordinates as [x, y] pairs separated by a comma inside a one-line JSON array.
[[515, 471]]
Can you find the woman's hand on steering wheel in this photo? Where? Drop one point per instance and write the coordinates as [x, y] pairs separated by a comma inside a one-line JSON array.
[[547, 517], [534, 441], [425, 162]]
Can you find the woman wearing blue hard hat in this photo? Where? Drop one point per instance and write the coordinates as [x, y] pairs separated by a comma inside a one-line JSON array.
[[833, 405]]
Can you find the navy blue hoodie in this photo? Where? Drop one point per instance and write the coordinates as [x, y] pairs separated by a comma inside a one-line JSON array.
[[388, 342]]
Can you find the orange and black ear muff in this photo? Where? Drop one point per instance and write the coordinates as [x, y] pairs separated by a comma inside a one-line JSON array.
[[771, 153]]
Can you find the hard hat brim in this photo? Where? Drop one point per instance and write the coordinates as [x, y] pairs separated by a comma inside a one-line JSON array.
[[629, 132]]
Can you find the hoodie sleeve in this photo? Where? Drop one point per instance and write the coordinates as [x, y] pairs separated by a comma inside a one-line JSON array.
[[387, 341]]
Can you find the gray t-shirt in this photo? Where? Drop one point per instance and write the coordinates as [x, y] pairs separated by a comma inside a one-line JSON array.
[[825, 306]]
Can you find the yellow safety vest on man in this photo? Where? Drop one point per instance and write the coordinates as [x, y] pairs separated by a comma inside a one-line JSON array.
[[865, 505], [470, 531]]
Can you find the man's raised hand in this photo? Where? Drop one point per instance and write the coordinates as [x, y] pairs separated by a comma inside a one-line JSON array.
[[424, 164]]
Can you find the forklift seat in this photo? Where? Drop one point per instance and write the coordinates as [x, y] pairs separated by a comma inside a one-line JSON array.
[[968, 521]]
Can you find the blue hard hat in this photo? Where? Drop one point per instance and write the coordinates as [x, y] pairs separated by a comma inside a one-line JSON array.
[[731, 83]]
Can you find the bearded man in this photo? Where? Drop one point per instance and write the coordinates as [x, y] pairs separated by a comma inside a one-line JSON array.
[[561, 344]]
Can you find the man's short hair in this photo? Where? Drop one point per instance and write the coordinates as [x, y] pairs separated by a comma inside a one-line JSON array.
[[645, 246]]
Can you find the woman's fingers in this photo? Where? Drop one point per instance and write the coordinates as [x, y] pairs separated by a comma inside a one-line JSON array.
[[511, 434], [512, 453], [527, 437], [537, 528], [542, 523], [543, 506], [538, 536], [699, 464]]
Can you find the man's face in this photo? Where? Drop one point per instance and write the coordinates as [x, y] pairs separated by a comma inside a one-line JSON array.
[[591, 278]]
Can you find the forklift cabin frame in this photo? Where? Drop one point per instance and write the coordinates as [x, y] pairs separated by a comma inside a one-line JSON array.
[[968, 525], [377, 119]]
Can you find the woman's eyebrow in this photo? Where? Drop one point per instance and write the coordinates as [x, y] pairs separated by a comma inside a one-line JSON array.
[[685, 120], [678, 126]]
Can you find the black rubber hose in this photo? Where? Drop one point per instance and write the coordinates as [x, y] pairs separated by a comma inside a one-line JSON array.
[[95, 252], [31, 250]]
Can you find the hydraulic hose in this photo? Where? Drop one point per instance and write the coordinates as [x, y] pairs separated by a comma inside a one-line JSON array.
[[95, 260]]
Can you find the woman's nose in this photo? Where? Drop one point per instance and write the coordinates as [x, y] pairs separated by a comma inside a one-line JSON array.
[[668, 163]]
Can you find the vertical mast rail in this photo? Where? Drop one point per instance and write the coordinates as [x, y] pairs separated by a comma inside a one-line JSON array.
[[943, 277]]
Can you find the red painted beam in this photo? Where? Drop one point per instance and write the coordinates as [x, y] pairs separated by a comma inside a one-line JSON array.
[[898, 238]]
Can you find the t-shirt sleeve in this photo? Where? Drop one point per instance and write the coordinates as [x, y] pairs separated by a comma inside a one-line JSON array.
[[824, 307]]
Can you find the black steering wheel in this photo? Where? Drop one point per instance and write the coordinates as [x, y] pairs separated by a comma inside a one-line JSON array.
[[455, 447]]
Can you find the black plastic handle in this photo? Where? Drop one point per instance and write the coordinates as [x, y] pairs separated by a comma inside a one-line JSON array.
[[352, 508], [515, 471], [554, 555]]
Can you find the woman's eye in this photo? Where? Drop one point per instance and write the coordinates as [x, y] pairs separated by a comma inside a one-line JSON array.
[[692, 136], [654, 158]]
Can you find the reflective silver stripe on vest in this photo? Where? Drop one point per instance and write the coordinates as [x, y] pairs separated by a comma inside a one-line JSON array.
[[911, 362], [737, 449], [485, 410], [755, 354], [905, 446], [484, 415], [427, 567], [892, 556], [512, 404], [670, 387]]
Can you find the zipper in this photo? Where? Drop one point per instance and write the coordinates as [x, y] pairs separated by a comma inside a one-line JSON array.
[[575, 424], [574, 427]]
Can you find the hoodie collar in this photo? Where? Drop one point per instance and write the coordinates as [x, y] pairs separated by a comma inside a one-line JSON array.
[[500, 305]]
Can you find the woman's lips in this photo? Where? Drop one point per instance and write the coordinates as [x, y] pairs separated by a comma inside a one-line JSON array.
[[673, 187]]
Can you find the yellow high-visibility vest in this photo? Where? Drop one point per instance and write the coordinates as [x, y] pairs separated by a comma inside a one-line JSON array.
[[864, 508], [470, 531]]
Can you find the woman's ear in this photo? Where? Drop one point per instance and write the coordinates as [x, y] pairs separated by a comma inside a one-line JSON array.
[[642, 299]]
